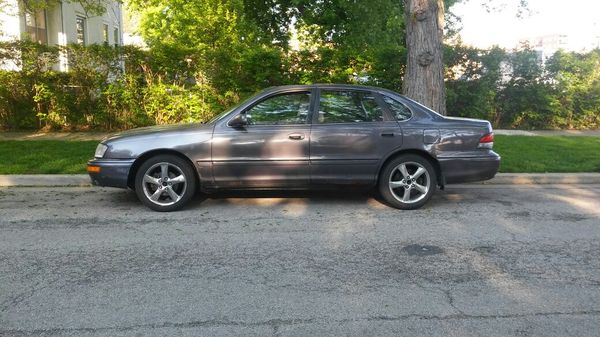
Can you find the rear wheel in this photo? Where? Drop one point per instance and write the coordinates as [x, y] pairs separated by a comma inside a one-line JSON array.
[[165, 183], [407, 182]]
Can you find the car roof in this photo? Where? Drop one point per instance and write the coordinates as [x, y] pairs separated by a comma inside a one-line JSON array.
[[331, 86]]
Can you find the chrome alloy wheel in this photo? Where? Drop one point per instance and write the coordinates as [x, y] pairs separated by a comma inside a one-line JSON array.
[[409, 182], [164, 184]]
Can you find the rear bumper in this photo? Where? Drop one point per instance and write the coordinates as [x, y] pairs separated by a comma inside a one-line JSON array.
[[113, 172], [467, 169]]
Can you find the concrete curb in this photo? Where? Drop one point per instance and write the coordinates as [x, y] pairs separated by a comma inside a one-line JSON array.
[[542, 179], [58, 180], [50, 180]]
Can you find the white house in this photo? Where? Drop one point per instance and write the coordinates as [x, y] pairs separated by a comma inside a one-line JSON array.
[[66, 23]]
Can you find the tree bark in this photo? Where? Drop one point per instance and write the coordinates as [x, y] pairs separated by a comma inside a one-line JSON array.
[[424, 75]]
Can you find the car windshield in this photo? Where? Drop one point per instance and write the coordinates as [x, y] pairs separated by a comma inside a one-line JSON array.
[[226, 112], [222, 114]]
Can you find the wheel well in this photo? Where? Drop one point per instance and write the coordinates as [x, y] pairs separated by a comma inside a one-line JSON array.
[[434, 162], [145, 156]]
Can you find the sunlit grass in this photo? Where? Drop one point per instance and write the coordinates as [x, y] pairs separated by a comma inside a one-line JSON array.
[[45, 156], [548, 153]]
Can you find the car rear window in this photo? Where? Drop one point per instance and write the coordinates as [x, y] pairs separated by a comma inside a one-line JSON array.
[[400, 111]]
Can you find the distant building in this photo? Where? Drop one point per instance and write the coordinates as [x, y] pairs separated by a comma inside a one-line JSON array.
[[64, 24], [547, 45]]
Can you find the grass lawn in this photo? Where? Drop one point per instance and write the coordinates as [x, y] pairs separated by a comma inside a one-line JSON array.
[[45, 156], [519, 154], [548, 153]]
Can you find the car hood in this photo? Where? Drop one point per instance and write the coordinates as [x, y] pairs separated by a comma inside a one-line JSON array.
[[150, 130]]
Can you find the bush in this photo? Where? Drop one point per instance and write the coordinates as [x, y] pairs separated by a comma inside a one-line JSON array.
[[96, 92], [516, 90], [16, 102]]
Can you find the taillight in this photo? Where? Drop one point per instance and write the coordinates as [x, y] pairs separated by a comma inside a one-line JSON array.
[[486, 142]]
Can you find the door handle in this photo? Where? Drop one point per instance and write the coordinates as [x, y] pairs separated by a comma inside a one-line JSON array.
[[296, 136], [387, 134]]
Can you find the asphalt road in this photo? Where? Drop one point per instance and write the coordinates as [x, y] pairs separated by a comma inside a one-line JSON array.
[[477, 261]]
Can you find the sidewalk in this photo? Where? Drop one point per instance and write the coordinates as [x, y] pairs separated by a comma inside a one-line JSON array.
[[99, 135], [56, 180]]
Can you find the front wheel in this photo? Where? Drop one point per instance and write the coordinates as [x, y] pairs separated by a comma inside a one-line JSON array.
[[407, 182], [165, 183]]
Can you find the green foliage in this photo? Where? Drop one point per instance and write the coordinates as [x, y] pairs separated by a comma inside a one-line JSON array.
[[356, 25], [473, 78], [516, 90], [215, 39], [24, 89], [165, 103], [90, 7], [97, 93], [576, 83], [345, 41], [526, 99], [16, 98], [242, 46], [122, 103]]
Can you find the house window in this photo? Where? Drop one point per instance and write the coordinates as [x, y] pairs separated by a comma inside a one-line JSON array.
[[116, 36], [36, 26], [80, 22], [105, 34]]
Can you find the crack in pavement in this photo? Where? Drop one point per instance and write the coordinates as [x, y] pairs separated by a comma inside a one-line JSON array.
[[276, 323]]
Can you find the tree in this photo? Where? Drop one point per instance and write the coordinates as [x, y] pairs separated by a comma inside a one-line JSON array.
[[424, 76], [423, 79], [575, 78], [473, 80], [351, 42]]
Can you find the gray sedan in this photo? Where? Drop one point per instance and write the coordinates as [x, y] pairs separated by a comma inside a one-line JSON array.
[[302, 137]]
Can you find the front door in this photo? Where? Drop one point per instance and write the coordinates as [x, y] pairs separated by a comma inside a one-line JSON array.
[[271, 151], [350, 135]]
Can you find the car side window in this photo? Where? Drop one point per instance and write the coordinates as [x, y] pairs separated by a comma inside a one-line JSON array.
[[400, 111], [280, 110], [348, 107]]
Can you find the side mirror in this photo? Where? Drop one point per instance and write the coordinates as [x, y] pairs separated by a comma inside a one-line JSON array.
[[239, 121]]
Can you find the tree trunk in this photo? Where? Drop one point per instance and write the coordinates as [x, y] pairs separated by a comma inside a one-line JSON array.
[[424, 75]]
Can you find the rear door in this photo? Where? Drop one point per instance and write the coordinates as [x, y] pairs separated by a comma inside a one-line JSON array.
[[350, 135]]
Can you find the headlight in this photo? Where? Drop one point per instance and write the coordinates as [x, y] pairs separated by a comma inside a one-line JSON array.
[[100, 150]]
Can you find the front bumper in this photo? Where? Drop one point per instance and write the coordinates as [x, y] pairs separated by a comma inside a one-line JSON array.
[[468, 169], [111, 172]]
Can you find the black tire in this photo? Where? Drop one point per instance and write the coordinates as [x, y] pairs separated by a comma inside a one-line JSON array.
[[176, 167], [391, 175]]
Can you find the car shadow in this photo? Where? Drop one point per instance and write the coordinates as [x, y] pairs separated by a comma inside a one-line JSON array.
[[341, 194], [329, 196]]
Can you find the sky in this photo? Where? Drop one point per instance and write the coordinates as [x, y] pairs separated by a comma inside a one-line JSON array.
[[579, 20]]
